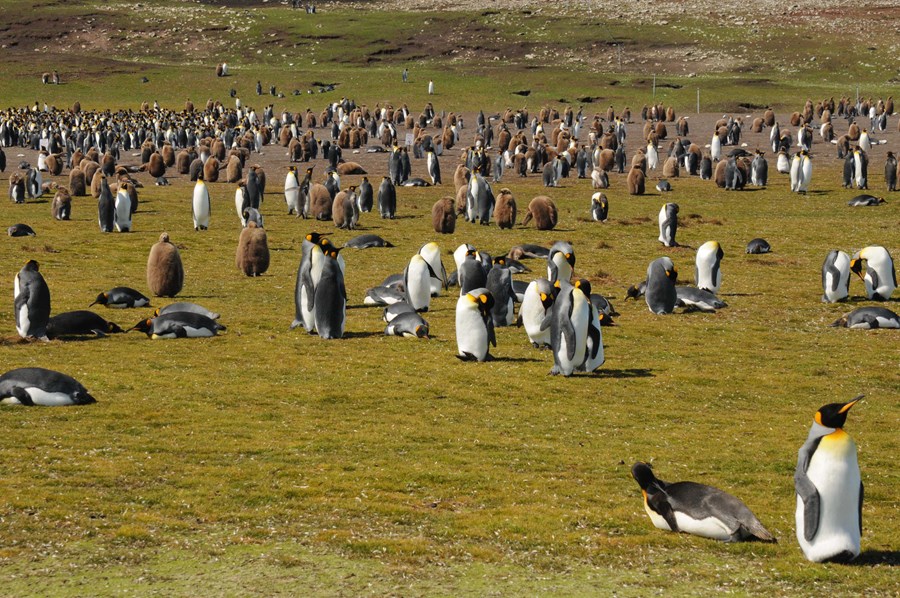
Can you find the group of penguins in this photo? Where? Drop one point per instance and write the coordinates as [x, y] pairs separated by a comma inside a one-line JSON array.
[[557, 312]]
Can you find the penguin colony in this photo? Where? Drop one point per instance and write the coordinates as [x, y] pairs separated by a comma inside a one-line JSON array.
[[559, 312]]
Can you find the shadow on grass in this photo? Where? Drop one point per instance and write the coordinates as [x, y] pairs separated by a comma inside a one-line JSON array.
[[366, 334], [870, 558], [624, 373]]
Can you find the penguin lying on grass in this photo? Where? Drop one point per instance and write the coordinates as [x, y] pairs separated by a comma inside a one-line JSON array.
[[39, 386], [697, 509]]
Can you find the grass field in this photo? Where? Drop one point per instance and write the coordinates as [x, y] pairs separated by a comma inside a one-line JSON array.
[[271, 462]]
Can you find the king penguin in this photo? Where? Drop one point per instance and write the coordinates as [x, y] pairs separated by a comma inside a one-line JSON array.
[[880, 278], [474, 325], [707, 268], [31, 300], [829, 489], [200, 207], [593, 347], [292, 191], [569, 320], [417, 283], [330, 302], [560, 262], [123, 209], [668, 224], [660, 294], [39, 386], [434, 167], [536, 303], [431, 252], [697, 509], [835, 277], [308, 274]]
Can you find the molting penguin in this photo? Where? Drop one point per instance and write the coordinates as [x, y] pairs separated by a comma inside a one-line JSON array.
[[708, 272], [866, 318], [39, 386], [165, 273], [668, 224], [474, 325], [697, 509], [829, 489], [660, 291], [880, 278], [31, 302]]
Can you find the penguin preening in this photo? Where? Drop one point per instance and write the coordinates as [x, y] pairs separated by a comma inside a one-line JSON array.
[[697, 509], [535, 307], [880, 278], [660, 287], [829, 489]]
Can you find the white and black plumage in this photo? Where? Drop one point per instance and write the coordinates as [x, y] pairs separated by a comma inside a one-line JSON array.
[[697, 509], [39, 386], [31, 302]]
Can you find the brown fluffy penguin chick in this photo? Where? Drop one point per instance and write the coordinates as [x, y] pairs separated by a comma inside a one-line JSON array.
[[211, 170], [636, 181], [443, 215], [505, 210], [319, 202], [544, 212], [76, 183], [252, 256], [165, 274]]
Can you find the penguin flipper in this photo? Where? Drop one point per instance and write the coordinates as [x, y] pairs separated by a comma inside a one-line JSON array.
[[492, 337], [873, 275], [807, 491], [568, 331], [658, 503], [22, 396], [861, 492]]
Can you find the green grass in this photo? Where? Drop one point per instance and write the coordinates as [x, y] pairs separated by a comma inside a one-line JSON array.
[[270, 462]]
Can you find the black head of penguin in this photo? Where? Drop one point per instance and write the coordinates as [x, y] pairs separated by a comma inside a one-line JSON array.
[[143, 326], [834, 415], [584, 285], [643, 475]]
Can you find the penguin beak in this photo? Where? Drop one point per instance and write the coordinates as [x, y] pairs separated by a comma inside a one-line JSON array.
[[847, 406]]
